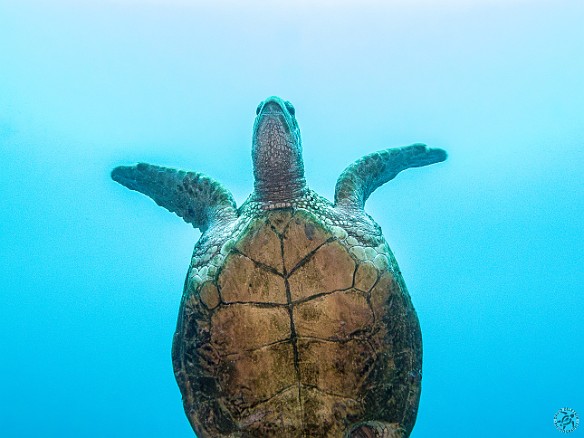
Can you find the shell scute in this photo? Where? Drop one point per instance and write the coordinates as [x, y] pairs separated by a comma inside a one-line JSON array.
[[261, 244], [337, 316], [365, 276], [279, 219], [335, 367], [277, 416], [242, 280], [239, 327], [303, 235], [327, 414], [251, 377], [329, 269], [382, 295]]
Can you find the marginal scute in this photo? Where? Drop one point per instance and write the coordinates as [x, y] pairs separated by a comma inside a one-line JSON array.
[[336, 316], [191, 286], [335, 367], [365, 276], [358, 252], [303, 235], [239, 327], [381, 262], [370, 253], [190, 304], [330, 268], [351, 241], [253, 376], [194, 280], [226, 247], [209, 295], [241, 280], [338, 232], [203, 272], [260, 243]]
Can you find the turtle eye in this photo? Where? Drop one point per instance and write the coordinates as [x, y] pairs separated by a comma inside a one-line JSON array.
[[290, 108], [259, 108]]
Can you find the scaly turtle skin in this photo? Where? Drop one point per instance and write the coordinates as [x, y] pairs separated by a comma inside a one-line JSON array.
[[295, 320]]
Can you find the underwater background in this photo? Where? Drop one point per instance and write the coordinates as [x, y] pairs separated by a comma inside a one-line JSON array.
[[490, 242]]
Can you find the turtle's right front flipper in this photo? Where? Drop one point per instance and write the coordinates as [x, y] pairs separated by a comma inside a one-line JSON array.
[[198, 199]]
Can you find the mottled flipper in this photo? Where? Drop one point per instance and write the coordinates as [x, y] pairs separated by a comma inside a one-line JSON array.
[[368, 173], [376, 429], [195, 197]]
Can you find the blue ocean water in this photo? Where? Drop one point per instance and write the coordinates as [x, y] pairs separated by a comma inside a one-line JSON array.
[[491, 242]]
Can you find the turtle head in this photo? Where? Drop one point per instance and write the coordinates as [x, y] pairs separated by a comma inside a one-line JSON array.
[[277, 153]]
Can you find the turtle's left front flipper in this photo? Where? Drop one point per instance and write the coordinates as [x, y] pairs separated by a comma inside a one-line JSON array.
[[198, 199], [368, 173]]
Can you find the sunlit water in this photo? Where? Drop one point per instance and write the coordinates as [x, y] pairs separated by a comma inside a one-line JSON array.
[[490, 242]]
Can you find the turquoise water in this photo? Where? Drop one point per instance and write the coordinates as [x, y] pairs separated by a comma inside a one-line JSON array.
[[490, 242]]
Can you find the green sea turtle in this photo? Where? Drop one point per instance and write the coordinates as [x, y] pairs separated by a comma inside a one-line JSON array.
[[295, 320]]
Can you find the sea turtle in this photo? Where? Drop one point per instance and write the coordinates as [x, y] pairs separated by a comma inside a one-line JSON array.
[[295, 320]]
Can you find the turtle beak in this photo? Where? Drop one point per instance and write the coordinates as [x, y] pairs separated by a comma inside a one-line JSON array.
[[272, 107], [272, 110]]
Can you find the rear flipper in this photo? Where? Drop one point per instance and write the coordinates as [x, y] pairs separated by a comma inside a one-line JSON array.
[[375, 429]]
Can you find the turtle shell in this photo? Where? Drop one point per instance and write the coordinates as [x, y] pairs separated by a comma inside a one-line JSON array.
[[288, 327]]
